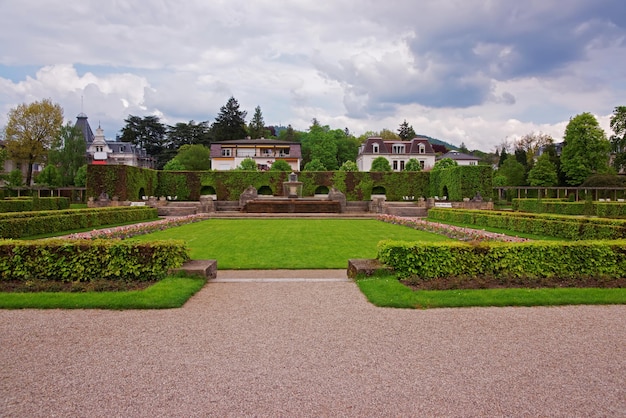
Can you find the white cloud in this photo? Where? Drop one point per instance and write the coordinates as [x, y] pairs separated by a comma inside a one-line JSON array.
[[476, 71]]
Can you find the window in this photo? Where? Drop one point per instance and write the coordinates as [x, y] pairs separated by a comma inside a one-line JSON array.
[[98, 148], [225, 152], [395, 165], [402, 165], [422, 164], [398, 149], [375, 148], [473, 163], [422, 149]]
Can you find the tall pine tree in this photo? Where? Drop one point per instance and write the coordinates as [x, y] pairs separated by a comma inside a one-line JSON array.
[[230, 123]]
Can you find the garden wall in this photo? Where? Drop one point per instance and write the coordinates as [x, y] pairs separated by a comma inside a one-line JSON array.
[[127, 183]]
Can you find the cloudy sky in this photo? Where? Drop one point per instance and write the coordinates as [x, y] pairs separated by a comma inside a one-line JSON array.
[[472, 71]]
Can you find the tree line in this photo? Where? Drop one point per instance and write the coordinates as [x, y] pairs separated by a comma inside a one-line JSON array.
[[585, 157], [35, 134]]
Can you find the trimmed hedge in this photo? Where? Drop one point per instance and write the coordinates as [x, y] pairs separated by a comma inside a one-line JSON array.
[[84, 260], [561, 207], [560, 226], [34, 204], [462, 182], [125, 182], [530, 261], [25, 224]]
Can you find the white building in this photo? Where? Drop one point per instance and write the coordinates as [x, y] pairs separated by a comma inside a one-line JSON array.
[[228, 155], [100, 151], [396, 152]]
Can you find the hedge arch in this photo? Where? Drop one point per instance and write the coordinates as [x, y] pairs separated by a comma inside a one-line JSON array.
[[265, 190], [379, 190], [207, 190], [321, 190]]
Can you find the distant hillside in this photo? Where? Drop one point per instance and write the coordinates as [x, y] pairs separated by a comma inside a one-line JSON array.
[[439, 142]]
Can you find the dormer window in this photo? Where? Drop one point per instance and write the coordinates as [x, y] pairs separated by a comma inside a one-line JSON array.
[[226, 152], [398, 148], [422, 149], [375, 148]]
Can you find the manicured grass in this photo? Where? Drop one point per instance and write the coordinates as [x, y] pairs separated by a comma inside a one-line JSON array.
[[287, 243], [387, 291], [171, 292]]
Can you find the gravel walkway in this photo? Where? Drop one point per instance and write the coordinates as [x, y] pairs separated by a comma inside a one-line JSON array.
[[312, 348]]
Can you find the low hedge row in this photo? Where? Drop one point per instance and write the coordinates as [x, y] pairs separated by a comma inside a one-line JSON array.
[[85, 260], [529, 262], [560, 207], [560, 226], [25, 224], [34, 204]]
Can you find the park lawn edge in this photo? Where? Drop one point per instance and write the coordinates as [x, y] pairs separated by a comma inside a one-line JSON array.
[[388, 292], [169, 293]]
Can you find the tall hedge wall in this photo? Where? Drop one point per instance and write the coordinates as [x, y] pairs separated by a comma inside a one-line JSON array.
[[462, 181], [125, 182]]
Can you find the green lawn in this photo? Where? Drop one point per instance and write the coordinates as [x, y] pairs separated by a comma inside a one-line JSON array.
[[171, 292], [387, 291], [287, 243]]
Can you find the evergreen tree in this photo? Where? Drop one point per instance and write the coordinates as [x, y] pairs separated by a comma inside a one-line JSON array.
[[618, 139], [406, 132], [230, 123], [256, 128], [503, 156], [147, 133]]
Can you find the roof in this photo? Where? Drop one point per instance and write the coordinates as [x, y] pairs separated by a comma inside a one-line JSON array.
[[385, 146], [456, 155], [83, 125], [260, 141]]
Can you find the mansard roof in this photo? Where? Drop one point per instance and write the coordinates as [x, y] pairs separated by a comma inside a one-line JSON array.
[[83, 125]]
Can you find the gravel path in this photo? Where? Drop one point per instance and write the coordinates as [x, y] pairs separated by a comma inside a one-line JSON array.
[[312, 348]]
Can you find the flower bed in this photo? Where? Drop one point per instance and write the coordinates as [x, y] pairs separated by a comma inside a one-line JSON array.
[[450, 231], [129, 231]]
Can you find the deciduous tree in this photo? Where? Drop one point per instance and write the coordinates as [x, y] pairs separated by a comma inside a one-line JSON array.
[[194, 157], [280, 165], [248, 164], [412, 165], [543, 173], [314, 165], [586, 149], [30, 130], [68, 153], [380, 164], [444, 163]]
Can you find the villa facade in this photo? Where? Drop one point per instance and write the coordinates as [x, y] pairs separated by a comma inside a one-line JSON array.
[[228, 155], [100, 151], [396, 152]]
